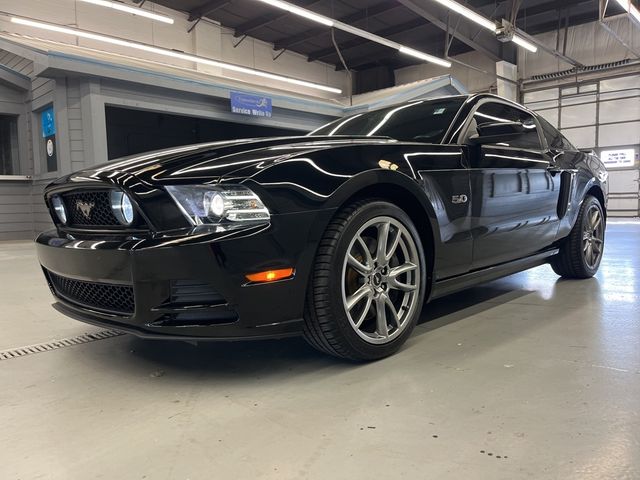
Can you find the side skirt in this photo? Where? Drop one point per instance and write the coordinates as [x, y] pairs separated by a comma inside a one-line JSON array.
[[454, 284]]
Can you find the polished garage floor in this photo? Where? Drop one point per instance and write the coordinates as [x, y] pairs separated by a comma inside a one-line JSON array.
[[525, 377]]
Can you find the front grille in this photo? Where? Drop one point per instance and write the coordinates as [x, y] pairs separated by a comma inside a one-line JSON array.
[[90, 208], [99, 296]]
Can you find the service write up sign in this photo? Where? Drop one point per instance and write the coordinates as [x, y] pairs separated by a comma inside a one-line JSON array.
[[247, 104]]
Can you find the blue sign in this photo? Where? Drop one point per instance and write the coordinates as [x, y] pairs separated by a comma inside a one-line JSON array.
[[48, 122], [247, 104]]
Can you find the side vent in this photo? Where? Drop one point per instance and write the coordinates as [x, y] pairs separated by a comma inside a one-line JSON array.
[[566, 181]]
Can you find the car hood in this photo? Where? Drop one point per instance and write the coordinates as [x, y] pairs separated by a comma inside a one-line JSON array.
[[210, 162]]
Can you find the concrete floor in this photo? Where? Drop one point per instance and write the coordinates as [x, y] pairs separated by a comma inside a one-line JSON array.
[[525, 377]]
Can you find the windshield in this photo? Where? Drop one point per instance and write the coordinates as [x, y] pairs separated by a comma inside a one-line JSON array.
[[419, 121]]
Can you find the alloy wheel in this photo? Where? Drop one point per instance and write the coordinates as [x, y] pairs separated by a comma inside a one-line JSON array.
[[593, 237], [381, 280]]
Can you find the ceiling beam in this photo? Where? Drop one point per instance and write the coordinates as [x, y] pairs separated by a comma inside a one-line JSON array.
[[207, 8], [468, 33], [355, 42], [258, 22], [374, 10]]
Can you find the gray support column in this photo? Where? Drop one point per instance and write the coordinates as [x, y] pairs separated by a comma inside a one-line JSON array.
[[62, 126], [94, 124], [507, 89]]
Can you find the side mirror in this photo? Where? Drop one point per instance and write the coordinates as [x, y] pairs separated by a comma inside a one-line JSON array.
[[499, 132]]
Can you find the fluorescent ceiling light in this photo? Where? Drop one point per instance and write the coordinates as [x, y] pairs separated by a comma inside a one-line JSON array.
[[134, 10], [524, 43], [329, 22], [468, 13], [302, 12], [368, 35], [486, 23], [170, 53], [629, 8], [424, 56]]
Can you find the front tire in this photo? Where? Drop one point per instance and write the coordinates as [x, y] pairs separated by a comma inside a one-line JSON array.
[[368, 282], [581, 252]]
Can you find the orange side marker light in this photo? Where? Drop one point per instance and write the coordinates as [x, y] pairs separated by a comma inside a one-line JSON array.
[[270, 275]]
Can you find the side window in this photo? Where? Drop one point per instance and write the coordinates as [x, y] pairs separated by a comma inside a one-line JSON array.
[[491, 112], [554, 138]]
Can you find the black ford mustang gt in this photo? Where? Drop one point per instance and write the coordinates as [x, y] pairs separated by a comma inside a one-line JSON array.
[[339, 236]]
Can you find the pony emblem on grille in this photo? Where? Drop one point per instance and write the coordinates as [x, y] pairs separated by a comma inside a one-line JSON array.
[[85, 208]]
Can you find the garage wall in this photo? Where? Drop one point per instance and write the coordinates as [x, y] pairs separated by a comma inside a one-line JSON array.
[[16, 210], [589, 44], [16, 63], [603, 115], [593, 113], [207, 39], [596, 110]]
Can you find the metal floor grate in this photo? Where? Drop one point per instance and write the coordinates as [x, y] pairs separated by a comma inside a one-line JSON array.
[[56, 344]]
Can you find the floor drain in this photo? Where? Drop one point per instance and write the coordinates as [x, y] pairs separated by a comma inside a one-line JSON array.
[[56, 344]]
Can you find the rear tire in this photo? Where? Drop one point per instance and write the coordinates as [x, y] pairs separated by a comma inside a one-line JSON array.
[[367, 286], [581, 252]]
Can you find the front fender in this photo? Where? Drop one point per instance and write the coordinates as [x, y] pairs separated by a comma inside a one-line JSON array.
[[582, 183]]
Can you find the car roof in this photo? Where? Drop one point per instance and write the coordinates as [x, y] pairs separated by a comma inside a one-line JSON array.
[[479, 96]]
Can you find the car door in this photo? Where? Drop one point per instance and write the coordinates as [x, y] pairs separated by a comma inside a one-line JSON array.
[[444, 177], [513, 190]]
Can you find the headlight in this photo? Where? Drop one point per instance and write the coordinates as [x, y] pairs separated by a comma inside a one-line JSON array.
[[59, 208], [215, 204], [122, 207]]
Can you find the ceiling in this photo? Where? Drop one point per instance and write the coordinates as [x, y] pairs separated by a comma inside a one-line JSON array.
[[420, 24]]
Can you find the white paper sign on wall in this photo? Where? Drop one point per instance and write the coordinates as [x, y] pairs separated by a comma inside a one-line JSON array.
[[625, 157]]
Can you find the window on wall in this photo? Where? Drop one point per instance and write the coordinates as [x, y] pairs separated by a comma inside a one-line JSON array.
[[8, 145]]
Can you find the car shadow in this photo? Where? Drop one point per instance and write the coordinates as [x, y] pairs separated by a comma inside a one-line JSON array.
[[280, 360], [472, 301], [254, 358]]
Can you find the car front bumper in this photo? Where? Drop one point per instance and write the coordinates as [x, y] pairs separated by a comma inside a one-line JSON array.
[[189, 285]]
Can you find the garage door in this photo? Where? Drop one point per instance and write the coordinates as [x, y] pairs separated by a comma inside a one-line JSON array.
[[624, 193], [603, 115], [134, 131]]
